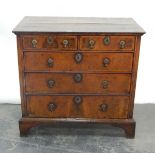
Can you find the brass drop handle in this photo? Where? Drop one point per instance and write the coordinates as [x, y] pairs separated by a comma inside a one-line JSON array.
[[78, 57], [103, 107], [78, 77], [65, 43], [77, 100], [91, 43], [105, 84], [52, 106], [50, 83], [34, 43], [106, 62], [50, 40], [50, 62], [106, 40], [122, 44]]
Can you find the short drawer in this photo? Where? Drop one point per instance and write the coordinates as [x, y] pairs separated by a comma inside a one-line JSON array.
[[107, 43], [96, 107], [40, 42], [77, 83], [58, 61]]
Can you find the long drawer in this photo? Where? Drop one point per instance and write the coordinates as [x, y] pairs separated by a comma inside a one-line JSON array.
[[66, 61], [96, 107], [77, 83]]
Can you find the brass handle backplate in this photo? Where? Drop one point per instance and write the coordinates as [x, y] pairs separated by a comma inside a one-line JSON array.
[[106, 40], [50, 40], [52, 106], [65, 43], [91, 43], [50, 62], [105, 84], [50, 83], [78, 77], [78, 57], [34, 43], [122, 44], [77, 99], [103, 107], [106, 62]]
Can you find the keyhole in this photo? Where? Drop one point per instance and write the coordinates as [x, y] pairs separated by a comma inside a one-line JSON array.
[[78, 57]]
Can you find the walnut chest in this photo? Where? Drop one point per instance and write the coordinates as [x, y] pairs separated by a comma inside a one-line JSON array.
[[78, 70]]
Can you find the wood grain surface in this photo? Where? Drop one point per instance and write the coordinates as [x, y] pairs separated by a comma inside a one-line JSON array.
[[117, 107], [90, 83], [78, 24], [66, 61], [114, 44]]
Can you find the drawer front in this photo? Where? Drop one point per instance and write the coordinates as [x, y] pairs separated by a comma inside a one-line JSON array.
[[36, 42], [96, 107], [77, 83], [57, 61], [108, 43]]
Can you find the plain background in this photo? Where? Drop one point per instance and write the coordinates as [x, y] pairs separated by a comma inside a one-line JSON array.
[[12, 11]]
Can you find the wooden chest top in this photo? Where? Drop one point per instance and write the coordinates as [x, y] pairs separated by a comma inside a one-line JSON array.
[[78, 24]]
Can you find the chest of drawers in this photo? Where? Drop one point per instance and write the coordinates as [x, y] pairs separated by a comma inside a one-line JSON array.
[[78, 70]]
